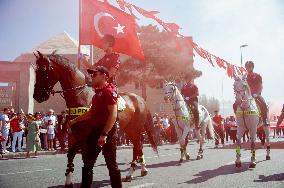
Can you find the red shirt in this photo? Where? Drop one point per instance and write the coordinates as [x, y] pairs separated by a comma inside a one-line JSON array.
[[15, 125], [188, 90], [103, 97], [109, 61], [255, 82], [218, 119]]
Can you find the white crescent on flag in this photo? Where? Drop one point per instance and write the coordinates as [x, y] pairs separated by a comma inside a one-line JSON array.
[[97, 18]]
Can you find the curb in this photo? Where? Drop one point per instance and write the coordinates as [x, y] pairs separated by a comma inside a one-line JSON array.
[[22, 155]]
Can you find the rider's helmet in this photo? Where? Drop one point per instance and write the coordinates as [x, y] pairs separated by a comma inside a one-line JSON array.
[[249, 64]]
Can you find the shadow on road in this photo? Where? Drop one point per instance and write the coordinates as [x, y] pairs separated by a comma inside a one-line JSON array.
[[160, 165], [246, 145], [96, 184], [167, 164], [274, 177], [105, 164], [223, 170]]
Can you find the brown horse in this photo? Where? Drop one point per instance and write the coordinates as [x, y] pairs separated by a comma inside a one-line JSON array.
[[134, 120]]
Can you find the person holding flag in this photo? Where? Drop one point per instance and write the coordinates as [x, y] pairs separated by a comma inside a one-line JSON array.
[[110, 60]]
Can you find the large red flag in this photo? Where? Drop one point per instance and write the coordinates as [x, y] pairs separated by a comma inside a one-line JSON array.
[[99, 18]]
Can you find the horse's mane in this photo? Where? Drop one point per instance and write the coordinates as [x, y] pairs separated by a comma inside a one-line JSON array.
[[244, 82], [61, 60], [176, 89]]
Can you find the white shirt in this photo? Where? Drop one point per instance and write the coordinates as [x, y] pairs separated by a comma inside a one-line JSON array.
[[52, 118], [50, 129], [165, 122], [5, 125]]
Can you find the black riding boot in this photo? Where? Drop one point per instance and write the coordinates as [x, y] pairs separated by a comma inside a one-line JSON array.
[[195, 116], [235, 107], [87, 177], [263, 107]]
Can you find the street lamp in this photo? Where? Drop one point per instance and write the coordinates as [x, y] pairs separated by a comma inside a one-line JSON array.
[[242, 46]]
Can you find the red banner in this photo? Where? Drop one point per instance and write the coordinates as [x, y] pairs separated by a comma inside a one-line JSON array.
[[100, 18]]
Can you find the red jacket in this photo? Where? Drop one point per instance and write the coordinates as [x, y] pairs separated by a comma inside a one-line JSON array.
[[255, 83], [109, 61], [15, 125]]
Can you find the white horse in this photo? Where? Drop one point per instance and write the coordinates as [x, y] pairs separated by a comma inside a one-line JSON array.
[[184, 122], [248, 118]]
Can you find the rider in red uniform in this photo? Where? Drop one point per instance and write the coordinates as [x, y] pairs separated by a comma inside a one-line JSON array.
[[110, 60], [190, 93], [254, 81], [101, 120]]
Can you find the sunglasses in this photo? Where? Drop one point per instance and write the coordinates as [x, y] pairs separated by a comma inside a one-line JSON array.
[[96, 74]]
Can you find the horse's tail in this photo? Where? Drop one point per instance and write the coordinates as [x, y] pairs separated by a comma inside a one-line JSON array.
[[150, 130], [211, 128], [209, 123]]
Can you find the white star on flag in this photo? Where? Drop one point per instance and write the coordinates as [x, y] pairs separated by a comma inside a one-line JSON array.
[[119, 28]]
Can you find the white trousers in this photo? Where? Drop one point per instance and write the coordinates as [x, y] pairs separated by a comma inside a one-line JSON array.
[[5, 134], [17, 135]]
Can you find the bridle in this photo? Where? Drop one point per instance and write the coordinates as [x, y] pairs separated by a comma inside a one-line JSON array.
[[173, 92], [49, 89]]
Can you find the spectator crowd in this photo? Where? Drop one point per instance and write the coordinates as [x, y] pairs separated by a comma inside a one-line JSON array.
[[47, 131]]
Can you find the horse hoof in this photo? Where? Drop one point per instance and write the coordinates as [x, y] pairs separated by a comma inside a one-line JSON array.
[[144, 173], [180, 161], [187, 157], [128, 178], [252, 165], [68, 186], [238, 164], [199, 157], [267, 157]]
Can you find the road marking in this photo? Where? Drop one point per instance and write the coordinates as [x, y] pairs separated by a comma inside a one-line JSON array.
[[142, 185], [165, 155], [12, 173], [245, 158]]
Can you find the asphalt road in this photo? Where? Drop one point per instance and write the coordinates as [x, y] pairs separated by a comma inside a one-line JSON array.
[[216, 169]]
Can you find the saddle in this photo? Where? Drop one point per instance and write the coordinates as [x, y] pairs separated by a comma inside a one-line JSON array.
[[121, 104]]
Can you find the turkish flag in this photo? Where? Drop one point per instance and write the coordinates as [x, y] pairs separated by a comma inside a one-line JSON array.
[[99, 18]]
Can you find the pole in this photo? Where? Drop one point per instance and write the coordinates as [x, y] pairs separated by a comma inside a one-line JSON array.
[[223, 97], [91, 54], [79, 45], [241, 57]]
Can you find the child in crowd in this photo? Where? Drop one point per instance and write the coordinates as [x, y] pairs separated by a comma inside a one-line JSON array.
[[50, 134]]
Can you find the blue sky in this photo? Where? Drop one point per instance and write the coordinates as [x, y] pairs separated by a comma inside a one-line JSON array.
[[219, 26]]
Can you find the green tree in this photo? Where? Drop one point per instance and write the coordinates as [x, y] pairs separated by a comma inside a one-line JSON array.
[[162, 60]]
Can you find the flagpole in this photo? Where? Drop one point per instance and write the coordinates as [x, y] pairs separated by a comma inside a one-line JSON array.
[[79, 45], [91, 54]]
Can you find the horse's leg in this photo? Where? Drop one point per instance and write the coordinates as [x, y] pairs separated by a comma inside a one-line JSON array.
[[267, 132], [141, 159], [201, 136], [187, 156], [133, 164], [72, 151], [252, 132], [240, 132], [181, 141], [184, 143]]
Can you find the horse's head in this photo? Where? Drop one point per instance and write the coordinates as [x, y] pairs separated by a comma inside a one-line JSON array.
[[169, 89], [46, 78], [241, 89]]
